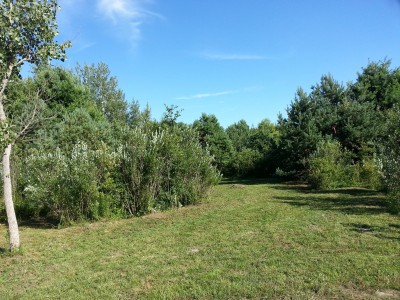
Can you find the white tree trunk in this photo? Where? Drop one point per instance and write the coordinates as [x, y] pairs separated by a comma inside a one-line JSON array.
[[7, 184], [7, 189]]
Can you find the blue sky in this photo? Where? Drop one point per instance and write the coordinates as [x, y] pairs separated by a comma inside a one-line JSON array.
[[240, 59]]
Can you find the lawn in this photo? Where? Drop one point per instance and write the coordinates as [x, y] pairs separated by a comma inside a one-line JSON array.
[[250, 240]]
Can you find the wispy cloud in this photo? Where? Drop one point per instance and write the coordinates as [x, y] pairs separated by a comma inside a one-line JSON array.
[[206, 95], [233, 56], [127, 15], [219, 94]]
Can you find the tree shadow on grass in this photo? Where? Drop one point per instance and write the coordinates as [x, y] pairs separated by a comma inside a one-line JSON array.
[[348, 200], [390, 232], [40, 223], [250, 181]]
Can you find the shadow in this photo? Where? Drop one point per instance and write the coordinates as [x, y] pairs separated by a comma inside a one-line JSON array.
[[395, 225], [390, 232], [3, 251], [250, 181], [357, 192], [296, 186], [348, 200], [40, 223]]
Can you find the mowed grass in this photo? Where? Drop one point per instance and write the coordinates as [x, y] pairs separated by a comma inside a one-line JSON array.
[[250, 240]]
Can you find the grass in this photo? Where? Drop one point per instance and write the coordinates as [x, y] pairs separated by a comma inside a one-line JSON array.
[[251, 240]]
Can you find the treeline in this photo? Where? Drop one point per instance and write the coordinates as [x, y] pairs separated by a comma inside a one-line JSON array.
[[84, 153], [333, 136]]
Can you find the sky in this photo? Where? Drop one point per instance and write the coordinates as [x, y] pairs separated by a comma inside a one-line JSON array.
[[236, 59]]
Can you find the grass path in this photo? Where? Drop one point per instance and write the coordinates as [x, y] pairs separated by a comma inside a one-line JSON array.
[[249, 241]]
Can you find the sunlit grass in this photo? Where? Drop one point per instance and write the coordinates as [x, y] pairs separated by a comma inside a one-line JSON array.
[[249, 241]]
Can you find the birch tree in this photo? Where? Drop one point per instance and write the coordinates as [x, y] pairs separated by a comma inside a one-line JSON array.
[[27, 35]]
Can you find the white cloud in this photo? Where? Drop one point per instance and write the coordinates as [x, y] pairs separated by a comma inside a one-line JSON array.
[[219, 94], [115, 9], [127, 15], [206, 95], [232, 56]]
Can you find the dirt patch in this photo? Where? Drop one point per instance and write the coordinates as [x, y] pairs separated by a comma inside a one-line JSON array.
[[238, 186], [388, 294], [358, 294], [156, 216], [194, 250]]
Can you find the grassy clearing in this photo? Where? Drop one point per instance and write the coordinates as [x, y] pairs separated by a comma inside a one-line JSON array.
[[249, 241]]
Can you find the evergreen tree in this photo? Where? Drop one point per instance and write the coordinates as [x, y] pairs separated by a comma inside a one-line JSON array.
[[213, 136]]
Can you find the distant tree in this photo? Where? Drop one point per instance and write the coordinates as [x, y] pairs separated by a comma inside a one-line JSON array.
[[327, 96], [265, 139], [299, 133], [61, 88], [377, 84], [171, 115], [27, 32], [105, 91], [239, 133], [213, 136], [140, 118]]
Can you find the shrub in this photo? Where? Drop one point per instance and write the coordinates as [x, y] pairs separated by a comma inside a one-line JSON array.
[[367, 174], [327, 166], [390, 160], [246, 162], [167, 168], [70, 185], [331, 166]]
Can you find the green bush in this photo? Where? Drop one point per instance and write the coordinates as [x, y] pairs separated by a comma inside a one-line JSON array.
[[367, 174], [328, 166], [167, 168], [70, 185], [391, 177], [246, 162], [389, 158], [394, 202], [331, 166]]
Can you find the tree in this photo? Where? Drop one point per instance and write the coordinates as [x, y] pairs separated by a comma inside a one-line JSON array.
[[389, 157], [27, 32], [299, 133], [239, 134], [213, 136], [105, 91]]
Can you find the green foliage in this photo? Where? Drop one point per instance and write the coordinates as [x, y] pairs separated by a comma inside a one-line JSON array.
[[239, 134], [246, 162], [254, 148], [328, 166], [104, 91], [213, 137], [148, 172], [390, 159], [170, 116], [367, 173], [167, 168], [299, 134], [353, 115], [81, 166], [60, 88], [331, 166], [27, 31], [70, 185]]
